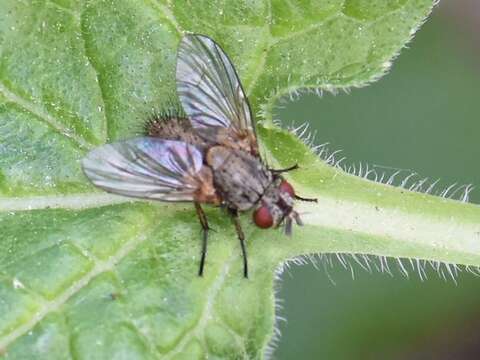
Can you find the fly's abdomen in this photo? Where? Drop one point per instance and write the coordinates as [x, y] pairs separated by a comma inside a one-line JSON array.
[[173, 127], [240, 178]]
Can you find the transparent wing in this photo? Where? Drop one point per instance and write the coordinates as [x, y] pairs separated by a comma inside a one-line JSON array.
[[208, 86], [146, 168]]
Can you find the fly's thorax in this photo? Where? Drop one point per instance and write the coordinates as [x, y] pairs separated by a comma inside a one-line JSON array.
[[240, 178], [242, 140], [232, 138]]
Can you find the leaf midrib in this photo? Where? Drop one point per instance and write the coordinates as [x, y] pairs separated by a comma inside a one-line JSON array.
[[69, 202]]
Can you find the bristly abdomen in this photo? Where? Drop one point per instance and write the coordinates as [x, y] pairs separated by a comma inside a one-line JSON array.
[[160, 122], [172, 124]]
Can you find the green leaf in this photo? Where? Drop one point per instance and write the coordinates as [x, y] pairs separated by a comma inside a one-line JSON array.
[[84, 274]]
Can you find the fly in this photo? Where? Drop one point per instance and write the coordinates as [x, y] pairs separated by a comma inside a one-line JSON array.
[[209, 155]]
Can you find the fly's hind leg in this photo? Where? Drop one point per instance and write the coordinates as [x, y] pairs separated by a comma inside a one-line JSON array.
[[241, 237], [205, 228]]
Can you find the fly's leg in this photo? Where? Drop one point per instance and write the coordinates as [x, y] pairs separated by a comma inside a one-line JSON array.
[[279, 171], [305, 199], [203, 221], [241, 237], [293, 167]]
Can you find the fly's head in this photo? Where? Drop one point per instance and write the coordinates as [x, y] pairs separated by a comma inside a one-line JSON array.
[[276, 207]]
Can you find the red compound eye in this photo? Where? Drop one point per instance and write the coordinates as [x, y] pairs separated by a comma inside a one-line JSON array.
[[262, 217], [286, 187]]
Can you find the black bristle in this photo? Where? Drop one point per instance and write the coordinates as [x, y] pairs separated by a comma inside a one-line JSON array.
[[171, 110]]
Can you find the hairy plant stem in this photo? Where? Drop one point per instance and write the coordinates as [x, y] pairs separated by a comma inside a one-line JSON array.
[[356, 215]]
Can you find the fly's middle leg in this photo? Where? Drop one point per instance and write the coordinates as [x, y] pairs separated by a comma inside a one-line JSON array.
[[241, 237], [205, 228]]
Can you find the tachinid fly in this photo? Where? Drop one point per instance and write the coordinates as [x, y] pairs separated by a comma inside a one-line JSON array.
[[208, 156]]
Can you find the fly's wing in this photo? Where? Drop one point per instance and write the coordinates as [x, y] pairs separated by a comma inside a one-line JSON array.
[[208, 86], [147, 168]]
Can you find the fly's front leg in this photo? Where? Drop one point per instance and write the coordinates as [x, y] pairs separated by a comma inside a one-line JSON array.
[[293, 167], [279, 171], [241, 237], [204, 222], [305, 199]]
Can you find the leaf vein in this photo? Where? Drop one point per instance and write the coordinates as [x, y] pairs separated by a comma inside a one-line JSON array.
[[88, 54], [44, 117], [263, 55], [198, 330], [168, 15], [54, 305], [65, 9]]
